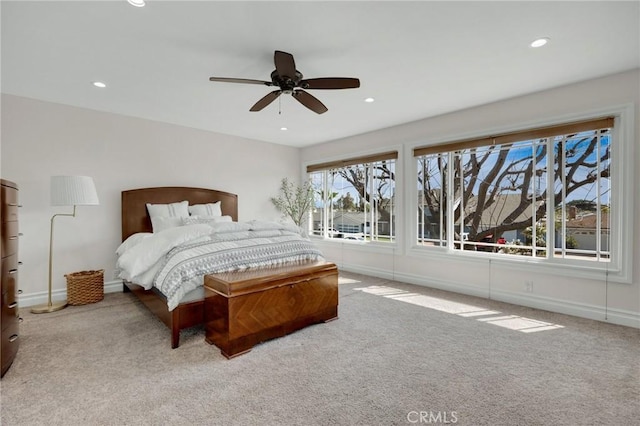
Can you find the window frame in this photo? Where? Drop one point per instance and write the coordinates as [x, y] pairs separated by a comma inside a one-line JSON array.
[[620, 269], [389, 153]]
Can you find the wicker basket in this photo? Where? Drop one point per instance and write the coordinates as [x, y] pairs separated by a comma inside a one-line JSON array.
[[85, 287]]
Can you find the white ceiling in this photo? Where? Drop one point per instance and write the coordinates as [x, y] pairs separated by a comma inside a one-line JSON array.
[[417, 59]]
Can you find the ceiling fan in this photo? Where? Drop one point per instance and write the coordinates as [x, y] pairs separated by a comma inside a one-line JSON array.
[[290, 81]]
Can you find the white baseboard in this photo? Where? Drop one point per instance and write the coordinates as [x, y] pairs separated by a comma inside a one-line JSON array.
[[42, 297], [583, 310], [598, 313], [114, 286]]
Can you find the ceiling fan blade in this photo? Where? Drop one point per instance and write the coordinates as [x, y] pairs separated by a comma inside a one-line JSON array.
[[240, 80], [285, 65], [270, 97], [309, 101], [330, 83]]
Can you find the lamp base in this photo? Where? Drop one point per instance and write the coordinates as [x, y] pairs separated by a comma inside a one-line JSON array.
[[46, 308]]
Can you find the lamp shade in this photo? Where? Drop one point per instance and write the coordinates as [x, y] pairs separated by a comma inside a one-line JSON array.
[[73, 191]]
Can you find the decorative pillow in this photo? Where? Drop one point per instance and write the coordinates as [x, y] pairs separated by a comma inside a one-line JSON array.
[[164, 216], [180, 209], [210, 209], [191, 220], [160, 223]]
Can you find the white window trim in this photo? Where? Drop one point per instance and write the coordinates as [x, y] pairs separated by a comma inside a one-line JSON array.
[[623, 200], [373, 246]]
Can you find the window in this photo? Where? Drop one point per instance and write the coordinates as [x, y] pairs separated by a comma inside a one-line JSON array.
[[542, 193], [355, 198]]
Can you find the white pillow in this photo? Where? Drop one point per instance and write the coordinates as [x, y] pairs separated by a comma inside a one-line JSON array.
[[191, 220], [160, 223], [210, 209], [132, 241], [180, 209]]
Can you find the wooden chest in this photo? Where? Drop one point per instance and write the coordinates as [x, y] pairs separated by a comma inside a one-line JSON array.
[[244, 308]]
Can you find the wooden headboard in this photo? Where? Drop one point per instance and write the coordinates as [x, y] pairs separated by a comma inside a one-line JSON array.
[[134, 204]]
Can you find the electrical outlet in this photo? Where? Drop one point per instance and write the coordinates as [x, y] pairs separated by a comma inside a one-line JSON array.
[[528, 286]]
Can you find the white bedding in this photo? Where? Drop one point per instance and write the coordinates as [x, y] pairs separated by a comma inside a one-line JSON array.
[[175, 260]]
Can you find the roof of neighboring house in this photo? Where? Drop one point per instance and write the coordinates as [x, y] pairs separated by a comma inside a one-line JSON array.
[[347, 218], [589, 221], [497, 212]]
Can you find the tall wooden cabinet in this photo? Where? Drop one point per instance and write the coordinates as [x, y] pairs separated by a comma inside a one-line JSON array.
[[9, 285]]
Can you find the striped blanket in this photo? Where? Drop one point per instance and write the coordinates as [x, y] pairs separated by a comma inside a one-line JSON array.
[[176, 264]]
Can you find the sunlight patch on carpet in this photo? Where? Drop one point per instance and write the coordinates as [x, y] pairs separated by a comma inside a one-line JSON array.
[[511, 322], [525, 325], [343, 280]]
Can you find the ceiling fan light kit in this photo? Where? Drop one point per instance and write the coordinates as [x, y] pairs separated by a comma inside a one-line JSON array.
[[291, 82]]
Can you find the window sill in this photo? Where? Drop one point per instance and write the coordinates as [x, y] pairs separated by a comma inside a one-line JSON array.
[[378, 247], [586, 270]]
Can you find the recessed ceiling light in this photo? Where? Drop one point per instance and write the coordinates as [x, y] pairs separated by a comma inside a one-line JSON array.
[[99, 84], [137, 3], [369, 100], [539, 42], [283, 128]]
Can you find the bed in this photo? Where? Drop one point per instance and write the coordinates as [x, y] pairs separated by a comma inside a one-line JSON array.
[[135, 219], [190, 310]]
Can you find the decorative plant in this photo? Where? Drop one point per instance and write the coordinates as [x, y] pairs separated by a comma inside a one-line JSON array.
[[294, 201]]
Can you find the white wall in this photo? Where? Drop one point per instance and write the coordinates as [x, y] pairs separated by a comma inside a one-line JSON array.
[[41, 139], [590, 295]]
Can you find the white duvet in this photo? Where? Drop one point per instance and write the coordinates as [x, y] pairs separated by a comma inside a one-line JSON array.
[[175, 260]]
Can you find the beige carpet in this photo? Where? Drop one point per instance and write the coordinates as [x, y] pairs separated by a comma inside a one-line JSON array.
[[398, 354]]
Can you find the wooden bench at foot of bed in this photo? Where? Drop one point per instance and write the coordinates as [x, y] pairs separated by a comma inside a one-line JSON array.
[[242, 309]]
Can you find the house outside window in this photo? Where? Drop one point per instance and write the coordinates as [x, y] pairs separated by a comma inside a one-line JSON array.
[[355, 199], [542, 193]]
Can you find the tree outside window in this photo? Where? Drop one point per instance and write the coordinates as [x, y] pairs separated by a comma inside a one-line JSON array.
[[496, 197]]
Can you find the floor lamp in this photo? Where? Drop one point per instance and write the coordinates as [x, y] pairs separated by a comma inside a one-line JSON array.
[[66, 191]]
